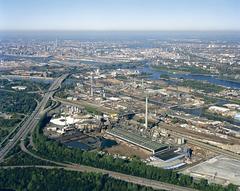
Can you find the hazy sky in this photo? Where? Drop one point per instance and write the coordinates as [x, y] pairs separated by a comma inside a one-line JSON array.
[[119, 14]]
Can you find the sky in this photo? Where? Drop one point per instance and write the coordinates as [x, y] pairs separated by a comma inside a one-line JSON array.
[[126, 15]]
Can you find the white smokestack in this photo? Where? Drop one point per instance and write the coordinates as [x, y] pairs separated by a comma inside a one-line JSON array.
[[146, 113]]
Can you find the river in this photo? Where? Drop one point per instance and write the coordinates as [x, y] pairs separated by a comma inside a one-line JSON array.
[[155, 74]]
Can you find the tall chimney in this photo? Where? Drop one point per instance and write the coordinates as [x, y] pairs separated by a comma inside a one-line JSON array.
[[146, 113]]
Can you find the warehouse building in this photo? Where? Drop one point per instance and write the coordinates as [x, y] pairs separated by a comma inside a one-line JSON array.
[[138, 140]]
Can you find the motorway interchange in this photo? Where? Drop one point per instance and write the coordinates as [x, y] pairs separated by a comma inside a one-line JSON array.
[[32, 121]]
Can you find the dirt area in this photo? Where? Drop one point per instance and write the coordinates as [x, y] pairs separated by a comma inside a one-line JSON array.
[[201, 153], [125, 149]]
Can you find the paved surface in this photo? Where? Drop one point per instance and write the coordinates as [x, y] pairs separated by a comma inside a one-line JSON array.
[[33, 119], [219, 170], [7, 137]]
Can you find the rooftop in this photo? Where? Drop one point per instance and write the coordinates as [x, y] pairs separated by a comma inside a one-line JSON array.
[[137, 139]]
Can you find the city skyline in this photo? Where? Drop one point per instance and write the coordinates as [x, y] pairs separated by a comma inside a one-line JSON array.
[[123, 15]]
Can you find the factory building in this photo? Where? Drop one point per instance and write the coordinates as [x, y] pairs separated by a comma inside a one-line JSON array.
[[137, 140]]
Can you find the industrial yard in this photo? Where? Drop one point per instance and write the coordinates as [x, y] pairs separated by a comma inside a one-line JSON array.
[[132, 117], [220, 170]]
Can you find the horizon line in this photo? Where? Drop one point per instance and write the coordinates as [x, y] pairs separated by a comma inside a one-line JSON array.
[[99, 30]]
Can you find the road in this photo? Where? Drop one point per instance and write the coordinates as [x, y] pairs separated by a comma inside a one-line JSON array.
[[82, 168], [10, 77], [33, 119], [9, 135], [132, 179]]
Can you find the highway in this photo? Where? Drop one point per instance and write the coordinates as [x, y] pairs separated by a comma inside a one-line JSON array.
[[33, 119], [13, 131]]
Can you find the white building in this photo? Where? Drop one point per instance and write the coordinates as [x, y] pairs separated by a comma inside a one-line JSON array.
[[217, 109], [19, 88]]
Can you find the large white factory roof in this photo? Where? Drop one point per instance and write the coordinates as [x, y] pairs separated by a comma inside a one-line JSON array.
[[62, 121]]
